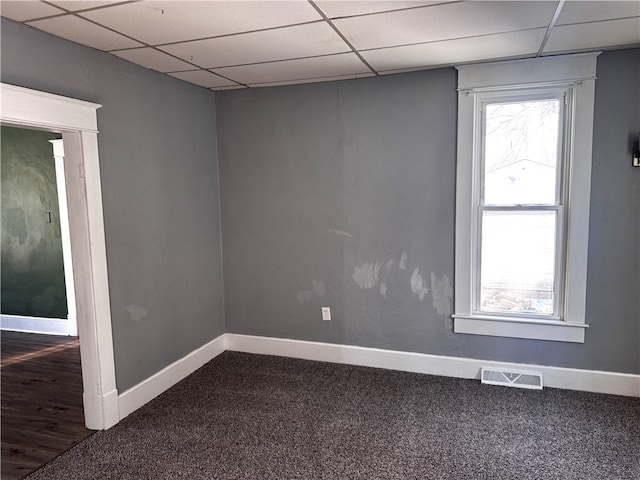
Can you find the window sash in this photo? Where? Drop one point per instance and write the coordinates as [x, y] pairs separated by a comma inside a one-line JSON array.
[[563, 95], [558, 274]]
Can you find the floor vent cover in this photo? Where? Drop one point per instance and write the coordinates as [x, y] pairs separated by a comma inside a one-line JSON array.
[[512, 378]]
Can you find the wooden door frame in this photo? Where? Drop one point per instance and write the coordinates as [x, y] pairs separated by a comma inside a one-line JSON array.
[[77, 121]]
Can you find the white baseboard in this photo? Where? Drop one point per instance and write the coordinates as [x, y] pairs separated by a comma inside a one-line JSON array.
[[48, 326], [555, 377], [135, 397], [107, 416]]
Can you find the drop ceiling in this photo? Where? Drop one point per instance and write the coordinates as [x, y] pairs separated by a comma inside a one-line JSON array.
[[244, 44]]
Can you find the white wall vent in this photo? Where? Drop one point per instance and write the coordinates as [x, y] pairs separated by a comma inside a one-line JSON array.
[[512, 378]]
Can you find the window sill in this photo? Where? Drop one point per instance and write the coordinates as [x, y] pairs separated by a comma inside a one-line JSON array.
[[553, 330]]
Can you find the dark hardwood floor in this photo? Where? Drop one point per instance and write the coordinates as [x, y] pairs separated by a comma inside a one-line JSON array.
[[42, 413]]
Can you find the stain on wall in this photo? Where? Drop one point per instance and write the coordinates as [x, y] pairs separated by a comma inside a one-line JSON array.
[[353, 182], [32, 264]]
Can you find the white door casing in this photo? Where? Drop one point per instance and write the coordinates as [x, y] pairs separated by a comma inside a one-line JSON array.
[[77, 121], [61, 184]]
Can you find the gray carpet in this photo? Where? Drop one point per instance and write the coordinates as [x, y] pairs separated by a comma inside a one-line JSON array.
[[258, 417]]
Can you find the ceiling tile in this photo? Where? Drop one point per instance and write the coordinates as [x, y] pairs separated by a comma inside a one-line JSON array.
[[75, 5], [153, 59], [157, 22], [501, 45], [441, 22], [579, 11], [313, 80], [332, 65], [22, 11], [80, 31], [339, 8], [203, 78], [585, 36], [280, 44]]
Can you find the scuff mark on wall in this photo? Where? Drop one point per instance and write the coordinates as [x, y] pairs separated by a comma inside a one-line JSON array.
[[319, 288], [304, 296], [341, 233], [418, 284], [136, 312], [366, 275], [442, 293], [17, 223], [403, 261]]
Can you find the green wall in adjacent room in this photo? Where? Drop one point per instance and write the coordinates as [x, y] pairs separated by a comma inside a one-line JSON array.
[[32, 277]]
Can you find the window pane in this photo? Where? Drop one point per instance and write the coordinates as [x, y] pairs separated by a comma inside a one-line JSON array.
[[518, 262], [521, 151]]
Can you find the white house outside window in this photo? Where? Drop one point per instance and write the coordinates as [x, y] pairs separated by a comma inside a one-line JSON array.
[[523, 181]]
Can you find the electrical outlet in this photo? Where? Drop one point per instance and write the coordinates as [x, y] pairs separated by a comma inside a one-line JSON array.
[[326, 313]]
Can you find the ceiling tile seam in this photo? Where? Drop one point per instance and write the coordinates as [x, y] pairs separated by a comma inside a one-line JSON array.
[[441, 40], [234, 34], [66, 11], [279, 60], [198, 67], [602, 20], [342, 36], [353, 49], [149, 46], [394, 10], [610, 48], [418, 68], [552, 24], [74, 14], [222, 89], [46, 17], [170, 44], [98, 7], [344, 76], [213, 73], [234, 84]]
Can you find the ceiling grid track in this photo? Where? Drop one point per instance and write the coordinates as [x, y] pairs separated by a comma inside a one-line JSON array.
[[344, 39], [211, 43], [552, 24], [76, 13]]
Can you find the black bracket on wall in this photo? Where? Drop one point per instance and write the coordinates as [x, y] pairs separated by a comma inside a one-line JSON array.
[[636, 152]]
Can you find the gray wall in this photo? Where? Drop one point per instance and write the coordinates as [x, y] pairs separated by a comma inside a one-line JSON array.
[[330, 190], [32, 266], [158, 165]]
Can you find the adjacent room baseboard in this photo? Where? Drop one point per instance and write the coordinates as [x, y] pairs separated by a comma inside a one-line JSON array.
[[135, 397], [556, 377], [48, 326]]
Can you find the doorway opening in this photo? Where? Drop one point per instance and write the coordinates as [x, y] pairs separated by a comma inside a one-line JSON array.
[[38, 293], [42, 410], [76, 120]]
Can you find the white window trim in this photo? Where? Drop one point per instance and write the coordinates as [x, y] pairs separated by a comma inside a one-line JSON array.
[[579, 73]]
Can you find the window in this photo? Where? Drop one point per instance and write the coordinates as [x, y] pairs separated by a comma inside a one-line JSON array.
[[523, 190]]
